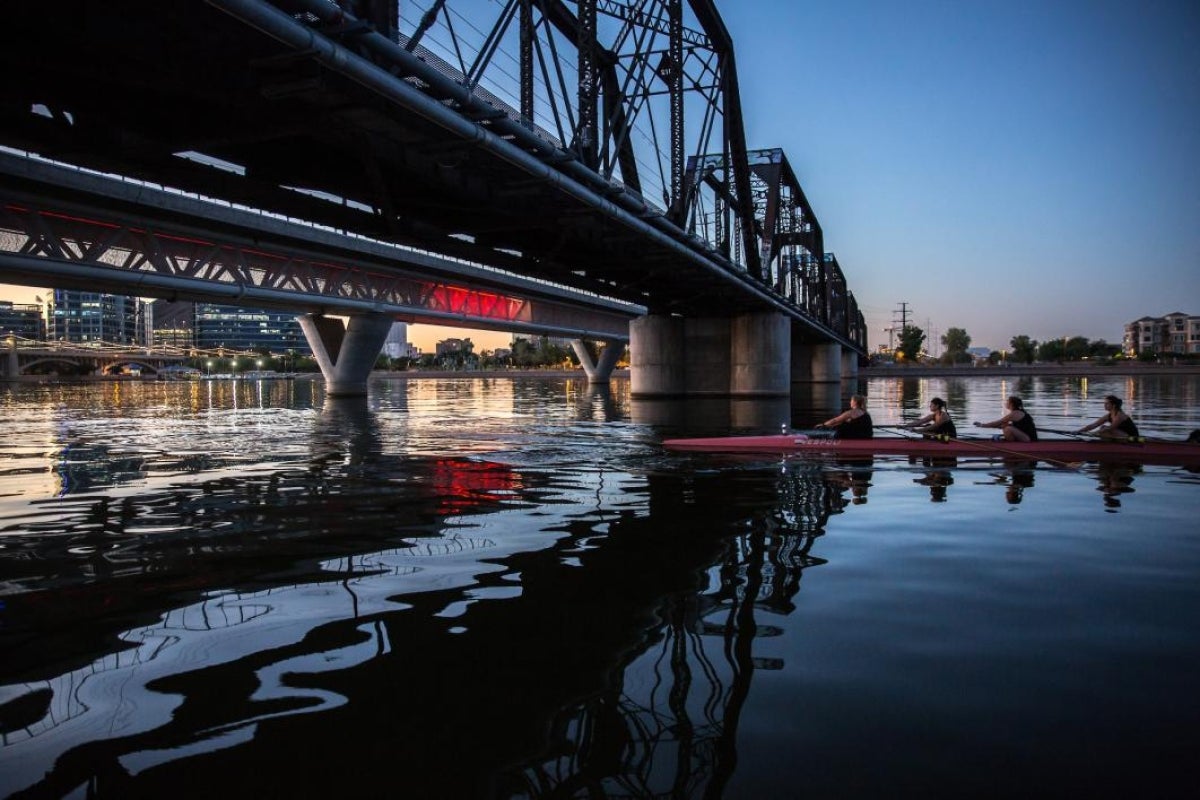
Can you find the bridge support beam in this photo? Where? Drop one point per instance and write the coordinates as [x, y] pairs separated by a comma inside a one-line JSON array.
[[12, 366], [656, 356], [819, 363], [748, 356], [849, 364], [708, 349], [761, 349], [601, 370], [346, 352]]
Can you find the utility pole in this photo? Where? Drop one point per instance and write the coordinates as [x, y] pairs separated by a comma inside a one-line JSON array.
[[902, 324]]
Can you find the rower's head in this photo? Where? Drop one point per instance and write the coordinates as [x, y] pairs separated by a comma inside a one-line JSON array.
[[1015, 404], [858, 401], [1113, 402], [937, 404]]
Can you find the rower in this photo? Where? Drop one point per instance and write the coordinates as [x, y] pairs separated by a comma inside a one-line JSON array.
[[1016, 425], [853, 423], [937, 422], [1115, 424]]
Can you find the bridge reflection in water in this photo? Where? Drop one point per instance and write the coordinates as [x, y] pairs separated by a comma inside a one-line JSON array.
[[482, 652]]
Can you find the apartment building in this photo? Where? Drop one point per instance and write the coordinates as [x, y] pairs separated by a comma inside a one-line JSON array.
[[1176, 333]]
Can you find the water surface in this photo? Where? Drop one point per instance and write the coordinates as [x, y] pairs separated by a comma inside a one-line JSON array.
[[507, 588]]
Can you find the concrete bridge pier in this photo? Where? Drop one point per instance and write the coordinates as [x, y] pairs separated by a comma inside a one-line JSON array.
[[601, 370], [761, 352], [818, 363], [849, 364], [656, 356], [346, 352], [12, 364], [747, 356]]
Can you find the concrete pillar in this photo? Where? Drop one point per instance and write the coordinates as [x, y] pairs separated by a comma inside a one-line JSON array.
[[346, 352], [801, 362], [708, 353], [849, 364], [761, 347], [656, 356], [826, 362], [13, 368], [601, 371]]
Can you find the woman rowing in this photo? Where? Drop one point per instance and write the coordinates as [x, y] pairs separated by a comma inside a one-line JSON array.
[[853, 423], [937, 422], [1016, 425], [1115, 424]]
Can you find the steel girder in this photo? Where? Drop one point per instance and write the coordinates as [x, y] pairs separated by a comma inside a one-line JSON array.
[[113, 236]]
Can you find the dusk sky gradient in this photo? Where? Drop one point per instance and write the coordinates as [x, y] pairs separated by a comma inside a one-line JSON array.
[[1007, 168]]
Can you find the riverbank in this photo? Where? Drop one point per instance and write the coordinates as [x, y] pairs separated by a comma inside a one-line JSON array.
[[1083, 369], [413, 374]]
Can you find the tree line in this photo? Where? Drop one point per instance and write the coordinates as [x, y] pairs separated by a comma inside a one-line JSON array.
[[1022, 348]]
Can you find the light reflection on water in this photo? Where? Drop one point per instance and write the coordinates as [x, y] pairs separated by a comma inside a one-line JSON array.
[[505, 588]]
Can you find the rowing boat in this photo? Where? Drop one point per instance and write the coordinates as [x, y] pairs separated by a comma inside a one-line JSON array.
[[1044, 450]]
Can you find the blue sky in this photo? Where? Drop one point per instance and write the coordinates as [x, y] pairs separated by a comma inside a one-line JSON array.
[[1007, 168]]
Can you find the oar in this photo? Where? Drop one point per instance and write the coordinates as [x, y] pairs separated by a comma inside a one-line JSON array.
[[1134, 440], [904, 431], [991, 447], [1076, 434]]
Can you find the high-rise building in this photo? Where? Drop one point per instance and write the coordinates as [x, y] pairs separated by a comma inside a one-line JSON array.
[[211, 326], [77, 316], [23, 320], [396, 345]]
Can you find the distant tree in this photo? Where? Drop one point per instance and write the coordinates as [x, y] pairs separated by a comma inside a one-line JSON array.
[[911, 338], [1076, 348], [956, 342], [1024, 349], [1099, 348], [1050, 350]]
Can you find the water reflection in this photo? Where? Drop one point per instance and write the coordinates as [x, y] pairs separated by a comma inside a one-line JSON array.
[[666, 726], [604, 652], [1017, 477], [1116, 479], [938, 476]]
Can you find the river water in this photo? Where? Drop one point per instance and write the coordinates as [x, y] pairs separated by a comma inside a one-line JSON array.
[[501, 588]]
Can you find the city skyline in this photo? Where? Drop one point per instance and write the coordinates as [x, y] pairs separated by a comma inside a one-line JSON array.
[[1019, 169]]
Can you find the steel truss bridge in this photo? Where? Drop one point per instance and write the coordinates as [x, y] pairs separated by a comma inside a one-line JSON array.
[[597, 145]]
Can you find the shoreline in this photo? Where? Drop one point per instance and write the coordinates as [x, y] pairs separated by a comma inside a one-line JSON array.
[[908, 371], [1076, 369]]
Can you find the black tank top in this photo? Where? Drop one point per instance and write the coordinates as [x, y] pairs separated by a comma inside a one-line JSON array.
[[945, 429], [1025, 425], [857, 428], [1128, 428]]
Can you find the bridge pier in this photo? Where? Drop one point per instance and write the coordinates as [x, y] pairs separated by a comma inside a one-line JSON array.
[[849, 364], [761, 350], [747, 356], [818, 363], [346, 352], [601, 370]]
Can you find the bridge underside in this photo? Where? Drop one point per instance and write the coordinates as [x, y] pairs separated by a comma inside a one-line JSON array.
[[64, 228], [308, 113], [318, 133]]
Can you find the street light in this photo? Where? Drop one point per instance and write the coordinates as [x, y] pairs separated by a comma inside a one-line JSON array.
[[209, 364]]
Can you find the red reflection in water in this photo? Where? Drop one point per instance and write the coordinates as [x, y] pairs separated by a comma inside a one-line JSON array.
[[461, 485]]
